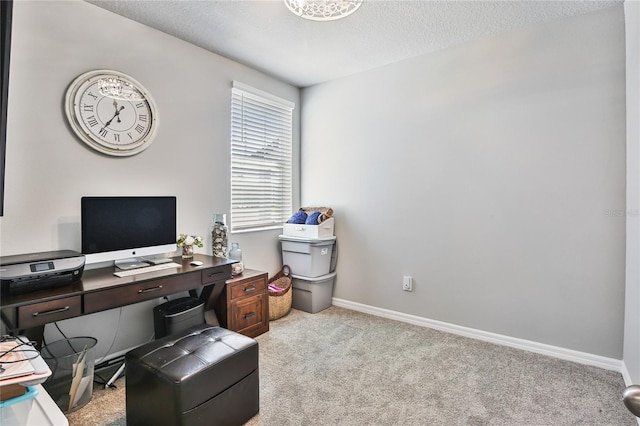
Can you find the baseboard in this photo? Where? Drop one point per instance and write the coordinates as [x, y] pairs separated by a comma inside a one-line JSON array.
[[527, 345], [625, 375]]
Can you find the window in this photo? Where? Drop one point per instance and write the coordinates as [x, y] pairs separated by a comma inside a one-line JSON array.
[[261, 144]]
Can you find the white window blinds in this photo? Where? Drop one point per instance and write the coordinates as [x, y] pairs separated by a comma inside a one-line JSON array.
[[261, 144]]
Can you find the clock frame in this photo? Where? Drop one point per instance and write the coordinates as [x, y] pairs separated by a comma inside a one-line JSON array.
[[111, 112]]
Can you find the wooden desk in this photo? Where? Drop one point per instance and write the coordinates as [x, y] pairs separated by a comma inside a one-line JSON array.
[[99, 290]]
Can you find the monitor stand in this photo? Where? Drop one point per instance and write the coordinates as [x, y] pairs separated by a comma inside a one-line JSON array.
[[131, 263], [157, 260]]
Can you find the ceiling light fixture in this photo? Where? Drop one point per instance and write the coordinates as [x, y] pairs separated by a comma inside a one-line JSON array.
[[323, 10]]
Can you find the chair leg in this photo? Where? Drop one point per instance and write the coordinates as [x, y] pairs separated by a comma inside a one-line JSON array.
[[115, 376]]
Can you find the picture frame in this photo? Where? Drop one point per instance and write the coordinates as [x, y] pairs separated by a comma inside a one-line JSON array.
[[6, 15]]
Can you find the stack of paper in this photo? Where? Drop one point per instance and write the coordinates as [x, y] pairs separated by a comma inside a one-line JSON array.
[[20, 365]]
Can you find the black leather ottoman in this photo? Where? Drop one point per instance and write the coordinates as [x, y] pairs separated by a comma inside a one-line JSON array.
[[205, 375]]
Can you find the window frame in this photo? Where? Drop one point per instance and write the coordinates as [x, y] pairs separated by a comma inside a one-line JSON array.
[[261, 143]]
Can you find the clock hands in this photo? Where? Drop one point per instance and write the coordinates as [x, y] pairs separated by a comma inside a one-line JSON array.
[[116, 114], [115, 104]]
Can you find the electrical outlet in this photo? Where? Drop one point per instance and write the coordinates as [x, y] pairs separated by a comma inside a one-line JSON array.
[[407, 283]]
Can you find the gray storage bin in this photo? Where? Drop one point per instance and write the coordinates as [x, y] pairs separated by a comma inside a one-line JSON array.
[[307, 257], [312, 294]]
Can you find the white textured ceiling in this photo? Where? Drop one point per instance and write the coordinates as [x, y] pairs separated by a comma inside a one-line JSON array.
[[266, 36]]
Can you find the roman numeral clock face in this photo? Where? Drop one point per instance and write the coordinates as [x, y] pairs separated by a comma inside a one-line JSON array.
[[111, 112]]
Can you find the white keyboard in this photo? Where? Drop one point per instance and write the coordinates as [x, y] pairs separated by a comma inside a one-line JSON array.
[[146, 269]]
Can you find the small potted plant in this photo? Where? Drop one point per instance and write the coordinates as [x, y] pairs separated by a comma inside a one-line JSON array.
[[187, 242]]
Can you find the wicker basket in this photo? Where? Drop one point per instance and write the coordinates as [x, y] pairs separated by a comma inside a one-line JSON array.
[[280, 300]]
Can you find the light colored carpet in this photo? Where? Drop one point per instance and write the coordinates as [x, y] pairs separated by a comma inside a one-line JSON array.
[[342, 367]]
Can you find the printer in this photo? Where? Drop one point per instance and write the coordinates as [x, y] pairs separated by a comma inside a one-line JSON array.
[[24, 273]]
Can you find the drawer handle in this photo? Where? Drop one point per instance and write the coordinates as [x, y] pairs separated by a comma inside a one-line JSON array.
[[146, 290], [51, 312], [213, 274], [250, 288], [247, 316]]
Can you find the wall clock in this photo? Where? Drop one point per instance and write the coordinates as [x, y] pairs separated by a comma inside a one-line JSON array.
[[111, 112]]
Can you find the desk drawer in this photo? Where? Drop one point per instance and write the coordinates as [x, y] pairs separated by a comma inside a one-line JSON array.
[[248, 312], [46, 312], [248, 288], [213, 275], [126, 295]]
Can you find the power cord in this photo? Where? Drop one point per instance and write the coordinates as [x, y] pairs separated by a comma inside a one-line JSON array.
[[18, 347]]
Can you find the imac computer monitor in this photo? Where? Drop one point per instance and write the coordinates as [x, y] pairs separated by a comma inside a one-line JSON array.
[[127, 230]]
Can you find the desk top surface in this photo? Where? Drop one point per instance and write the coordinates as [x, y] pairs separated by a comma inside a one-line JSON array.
[[102, 278]]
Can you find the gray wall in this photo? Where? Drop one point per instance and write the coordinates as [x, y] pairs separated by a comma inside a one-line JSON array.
[[493, 173], [48, 170]]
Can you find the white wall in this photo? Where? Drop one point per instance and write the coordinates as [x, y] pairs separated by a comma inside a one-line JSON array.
[[48, 170], [493, 173], [632, 294]]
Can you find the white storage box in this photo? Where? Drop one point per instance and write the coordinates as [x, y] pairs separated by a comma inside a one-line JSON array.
[[307, 257], [325, 229], [35, 408], [15, 411], [312, 294]]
